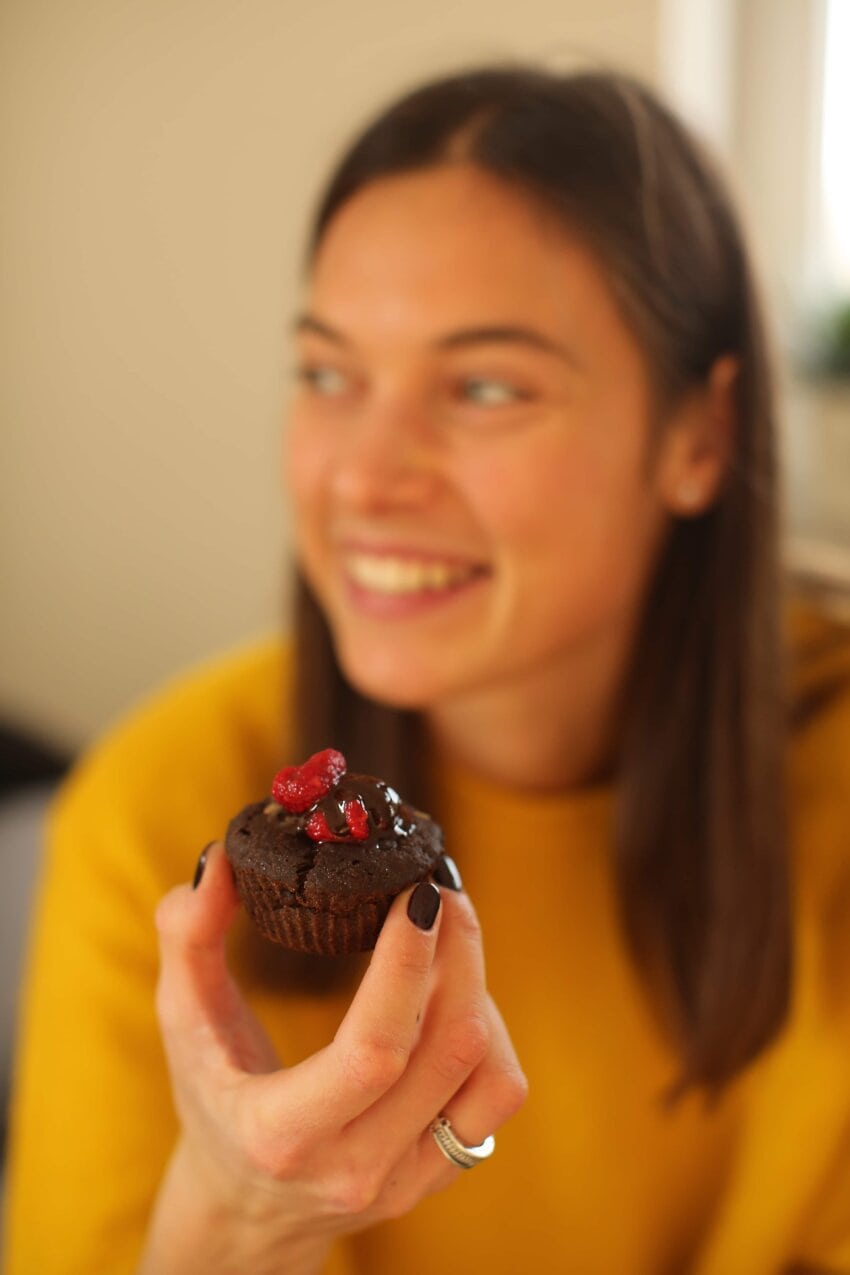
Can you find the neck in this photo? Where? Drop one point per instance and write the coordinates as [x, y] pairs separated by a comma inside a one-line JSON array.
[[550, 729]]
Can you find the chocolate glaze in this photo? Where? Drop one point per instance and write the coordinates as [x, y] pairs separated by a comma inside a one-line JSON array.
[[384, 808], [281, 858]]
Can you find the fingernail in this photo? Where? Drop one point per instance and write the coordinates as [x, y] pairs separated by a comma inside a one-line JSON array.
[[446, 874], [201, 864], [424, 905]]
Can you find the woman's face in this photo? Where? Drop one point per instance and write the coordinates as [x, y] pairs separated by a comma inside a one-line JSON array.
[[468, 440]]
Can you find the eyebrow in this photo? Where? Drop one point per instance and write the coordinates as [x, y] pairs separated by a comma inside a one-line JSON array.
[[504, 334]]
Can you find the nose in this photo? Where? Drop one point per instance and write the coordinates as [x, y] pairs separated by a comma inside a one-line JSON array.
[[389, 458]]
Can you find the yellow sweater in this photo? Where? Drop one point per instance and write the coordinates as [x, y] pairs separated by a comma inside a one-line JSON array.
[[592, 1176]]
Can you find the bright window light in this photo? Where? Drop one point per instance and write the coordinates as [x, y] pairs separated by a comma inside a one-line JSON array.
[[835, 152]]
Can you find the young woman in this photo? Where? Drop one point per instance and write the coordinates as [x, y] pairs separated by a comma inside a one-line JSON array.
[[531, 456]]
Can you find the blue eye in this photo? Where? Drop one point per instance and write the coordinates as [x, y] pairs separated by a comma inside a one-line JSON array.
[[326, 381], [490, 392]]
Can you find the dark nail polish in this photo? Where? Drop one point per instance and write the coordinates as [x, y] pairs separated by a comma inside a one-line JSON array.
[[202, 863], [424, 905], [446, 874]]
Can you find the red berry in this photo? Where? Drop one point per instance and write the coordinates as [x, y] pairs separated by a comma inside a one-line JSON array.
[[317, 828], [297, 788], [357, 819]]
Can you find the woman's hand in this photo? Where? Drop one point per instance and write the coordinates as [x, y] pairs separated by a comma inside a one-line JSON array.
[[273, 1163]]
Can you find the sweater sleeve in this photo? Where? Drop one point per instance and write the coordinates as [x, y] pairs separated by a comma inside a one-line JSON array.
[[823, 786], [92, 1121]]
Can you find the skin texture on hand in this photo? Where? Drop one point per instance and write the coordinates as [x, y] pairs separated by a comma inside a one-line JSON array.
[[273, 1164]]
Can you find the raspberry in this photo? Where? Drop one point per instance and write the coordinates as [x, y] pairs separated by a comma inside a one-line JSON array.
[[297, 788], [317, 827], [357, 819]]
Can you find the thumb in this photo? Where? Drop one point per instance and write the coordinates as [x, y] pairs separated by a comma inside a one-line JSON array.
[[204, 1019]]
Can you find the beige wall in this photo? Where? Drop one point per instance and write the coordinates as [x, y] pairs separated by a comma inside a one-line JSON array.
[[158, 160], [775, 148]]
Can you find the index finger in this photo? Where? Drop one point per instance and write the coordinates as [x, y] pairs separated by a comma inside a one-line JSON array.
[[377, 1035], [374, 1042]]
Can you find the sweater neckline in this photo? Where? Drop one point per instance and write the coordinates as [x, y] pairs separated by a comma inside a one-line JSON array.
[[459, 786]]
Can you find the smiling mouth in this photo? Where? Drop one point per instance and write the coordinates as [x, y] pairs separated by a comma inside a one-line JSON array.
[[396, 576]]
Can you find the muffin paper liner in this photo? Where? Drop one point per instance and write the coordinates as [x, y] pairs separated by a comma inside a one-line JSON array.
[[279, 916]]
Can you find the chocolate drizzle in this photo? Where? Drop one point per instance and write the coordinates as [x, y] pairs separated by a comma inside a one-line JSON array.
[[382, 803]]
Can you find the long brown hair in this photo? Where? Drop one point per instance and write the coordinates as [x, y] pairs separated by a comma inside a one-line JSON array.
[[701, 852]]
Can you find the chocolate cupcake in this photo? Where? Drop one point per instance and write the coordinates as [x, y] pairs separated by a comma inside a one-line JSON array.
[[318, 865]]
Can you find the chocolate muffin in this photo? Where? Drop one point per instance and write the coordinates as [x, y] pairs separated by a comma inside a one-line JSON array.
[[318, 864]]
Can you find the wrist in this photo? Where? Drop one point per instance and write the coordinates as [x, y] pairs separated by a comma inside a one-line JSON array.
[[203, 1221]]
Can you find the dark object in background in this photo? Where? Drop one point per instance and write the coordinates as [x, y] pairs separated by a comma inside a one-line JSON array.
[[29, 772], [26, 760]]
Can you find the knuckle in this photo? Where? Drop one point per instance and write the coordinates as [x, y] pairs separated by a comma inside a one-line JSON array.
[[414, 964], [265, 1160], [509, 1091], [465, 1046], [278, 1159], [275, 1162], [355, 1192], [375, 1065]]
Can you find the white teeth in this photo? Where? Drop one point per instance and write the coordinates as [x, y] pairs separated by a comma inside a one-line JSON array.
[[385, 574]]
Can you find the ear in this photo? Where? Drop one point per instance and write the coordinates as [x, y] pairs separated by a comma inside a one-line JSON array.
[[700, 443]]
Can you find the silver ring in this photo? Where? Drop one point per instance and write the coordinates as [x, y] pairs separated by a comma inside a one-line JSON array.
[[453, 1149]]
